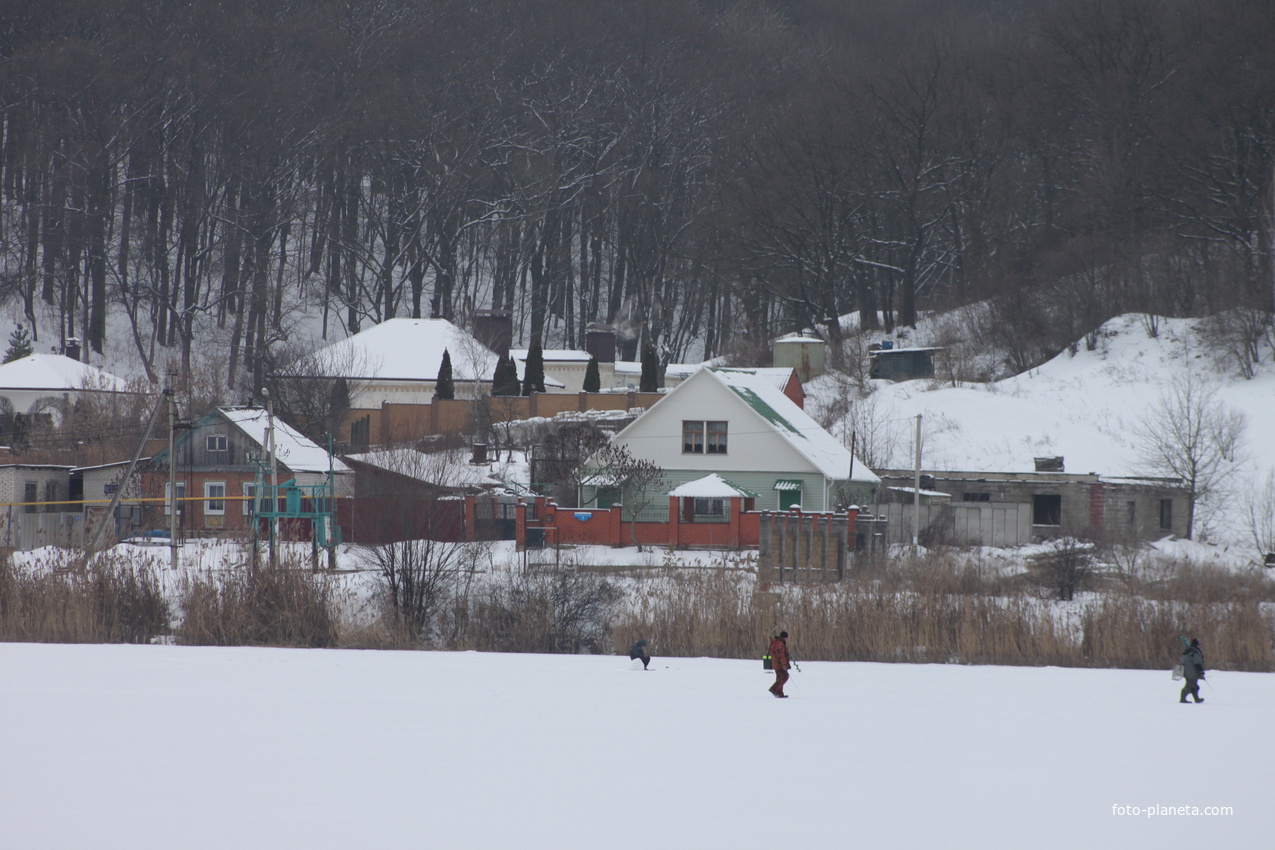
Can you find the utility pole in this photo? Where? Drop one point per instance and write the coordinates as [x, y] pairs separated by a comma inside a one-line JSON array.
[[916, 489], [274, 480], [173, 559], [122, 487]]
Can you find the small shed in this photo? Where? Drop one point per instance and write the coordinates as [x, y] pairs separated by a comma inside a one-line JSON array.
[[901, 364], [801, 352]]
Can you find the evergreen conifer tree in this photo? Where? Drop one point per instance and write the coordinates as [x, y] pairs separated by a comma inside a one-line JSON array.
[[505, 379], [650, 381], [592, 379], [19, 344], [498, 377], [533, 378], [444, 387]]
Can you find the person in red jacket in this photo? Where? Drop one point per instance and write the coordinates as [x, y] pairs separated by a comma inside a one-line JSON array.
[[779, 663]]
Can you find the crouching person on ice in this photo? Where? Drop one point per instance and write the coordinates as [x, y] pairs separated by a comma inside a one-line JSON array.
[[638, 651]]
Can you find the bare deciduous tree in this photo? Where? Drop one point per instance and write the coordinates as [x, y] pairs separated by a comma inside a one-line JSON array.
[[1261, 512], [642, 482], [416, 578], [1192, 435]]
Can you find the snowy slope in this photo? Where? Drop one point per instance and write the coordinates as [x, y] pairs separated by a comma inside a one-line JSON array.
[[160, 747], [1084, 407]]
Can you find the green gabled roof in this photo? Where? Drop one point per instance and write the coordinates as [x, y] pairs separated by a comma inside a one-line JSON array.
[[763, 397], [749, 493]]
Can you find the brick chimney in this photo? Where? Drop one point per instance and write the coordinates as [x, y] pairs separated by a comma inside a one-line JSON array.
[[599, 341], [494, 329]]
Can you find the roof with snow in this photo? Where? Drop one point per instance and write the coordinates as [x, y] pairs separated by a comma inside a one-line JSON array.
[[56, 373], [558, 355], [551, 356], [407, 350], [293, 449], [451, 468], [711, 487], [756, 387], [673, 370]]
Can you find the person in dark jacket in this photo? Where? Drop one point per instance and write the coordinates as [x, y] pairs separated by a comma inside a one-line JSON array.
[[638, 650], [1192, 662], [779, 663]]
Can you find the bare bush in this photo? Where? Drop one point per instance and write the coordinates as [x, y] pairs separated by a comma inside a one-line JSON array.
[[565, 610], [1065, 567], [1237, 338], [417, 578]]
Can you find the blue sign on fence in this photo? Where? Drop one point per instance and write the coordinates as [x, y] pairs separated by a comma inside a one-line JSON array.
[[583, 515]]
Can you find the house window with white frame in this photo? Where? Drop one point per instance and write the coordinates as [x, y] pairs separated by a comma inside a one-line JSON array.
[[700, 437], [693, 437], [716, 442], [214, 497], [250, 498], [216, 443], [168, 498]]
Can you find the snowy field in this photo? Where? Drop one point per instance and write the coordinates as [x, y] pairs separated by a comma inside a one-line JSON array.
[[175, 747]]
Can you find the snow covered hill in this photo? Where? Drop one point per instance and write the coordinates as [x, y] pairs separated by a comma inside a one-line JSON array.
[[143, 747], [1085, 407]]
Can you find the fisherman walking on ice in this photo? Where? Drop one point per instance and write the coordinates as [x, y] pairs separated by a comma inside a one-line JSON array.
[[779, 663]]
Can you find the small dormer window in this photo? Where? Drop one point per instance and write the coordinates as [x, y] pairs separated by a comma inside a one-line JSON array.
[[217, 443]]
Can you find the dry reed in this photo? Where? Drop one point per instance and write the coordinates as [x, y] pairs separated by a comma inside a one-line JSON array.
[[928, 610], [104, 600], [263, 606]]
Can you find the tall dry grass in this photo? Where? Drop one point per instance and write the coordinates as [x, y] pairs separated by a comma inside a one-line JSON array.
[[102, 600], [259, 606], [944, 609]]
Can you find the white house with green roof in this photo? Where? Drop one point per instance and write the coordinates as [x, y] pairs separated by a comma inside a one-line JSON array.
[[739, 425]]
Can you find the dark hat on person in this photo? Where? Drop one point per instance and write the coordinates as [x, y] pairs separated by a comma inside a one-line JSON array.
[[1195, 641], [783, 634]]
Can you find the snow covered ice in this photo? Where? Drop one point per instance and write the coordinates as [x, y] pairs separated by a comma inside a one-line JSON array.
[[161, 747]]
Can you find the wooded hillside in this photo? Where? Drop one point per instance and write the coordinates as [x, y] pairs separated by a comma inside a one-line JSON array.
[[704, 174]]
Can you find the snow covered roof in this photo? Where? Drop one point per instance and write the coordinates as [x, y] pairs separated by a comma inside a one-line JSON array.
[[711, 487], [451, 468], [407, 350], [933, 494], [561, 355], [56, 373], [673, 370], [293, 449], [140, 461], [778, 375], [756, 387], [519, 356]]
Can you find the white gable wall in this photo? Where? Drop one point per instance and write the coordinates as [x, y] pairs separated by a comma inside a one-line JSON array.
[[751, 444], [755, 455]]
